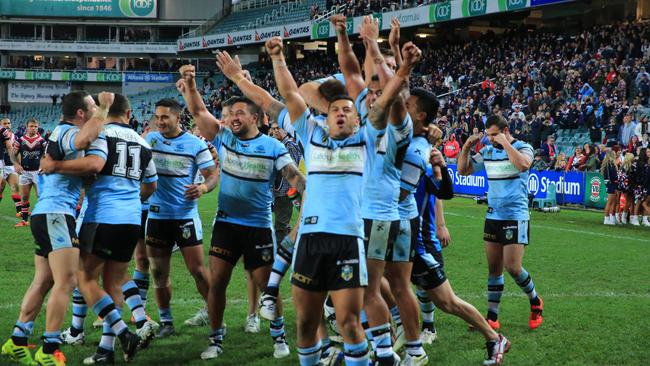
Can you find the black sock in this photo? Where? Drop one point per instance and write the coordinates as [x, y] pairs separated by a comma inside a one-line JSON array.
[[20, 341], [329, 302], [273, 291], [75, 332], [140, 323], [535, 301], [492, 316], [49, 348], [103, 351]]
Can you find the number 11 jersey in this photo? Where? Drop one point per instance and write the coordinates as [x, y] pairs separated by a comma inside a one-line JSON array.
[[114, 198]]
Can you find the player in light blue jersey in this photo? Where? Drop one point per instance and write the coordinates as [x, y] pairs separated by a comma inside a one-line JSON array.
[[126, 175], [173, 214], [249, 163], [424, 179], [53, 227], [506, 162]]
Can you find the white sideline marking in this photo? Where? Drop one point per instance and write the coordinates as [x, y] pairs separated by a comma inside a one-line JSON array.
[[558, 295], [559, 229]]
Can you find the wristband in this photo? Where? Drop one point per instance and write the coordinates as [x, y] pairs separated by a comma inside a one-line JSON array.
[[238, 78], [203, 188], [278, 62]]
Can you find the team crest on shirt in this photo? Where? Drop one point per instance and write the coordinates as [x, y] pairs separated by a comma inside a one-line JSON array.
[[259, 149], [153, 143], [186, 232], [509, 234], [346, 272], [266, 255]]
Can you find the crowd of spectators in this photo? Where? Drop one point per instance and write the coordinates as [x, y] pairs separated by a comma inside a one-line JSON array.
[[355, 8]]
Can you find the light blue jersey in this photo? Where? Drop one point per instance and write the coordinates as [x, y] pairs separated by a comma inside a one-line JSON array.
[[335, 178], [383, 170], [114, 198], [416, 162], [248, 170], [59, 193], [508, 187], [177, 160]]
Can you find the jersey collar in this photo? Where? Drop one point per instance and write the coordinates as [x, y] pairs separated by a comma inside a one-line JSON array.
[[252, 138]]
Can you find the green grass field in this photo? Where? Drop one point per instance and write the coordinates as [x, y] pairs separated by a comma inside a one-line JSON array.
[[595, 281]]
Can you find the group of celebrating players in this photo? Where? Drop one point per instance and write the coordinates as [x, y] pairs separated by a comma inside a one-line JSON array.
[[370, 215]]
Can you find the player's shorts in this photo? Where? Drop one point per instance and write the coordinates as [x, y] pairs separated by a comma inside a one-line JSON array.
[[406, 241], [143, 224], [109, 242], [52, 232], [428, 270], [506, 231], [8, 170], [379, 238], [163, 233], [28, 177], [328, 262], [231, 241]]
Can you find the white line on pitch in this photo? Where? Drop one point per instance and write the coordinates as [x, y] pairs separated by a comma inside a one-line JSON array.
[[558, 228]]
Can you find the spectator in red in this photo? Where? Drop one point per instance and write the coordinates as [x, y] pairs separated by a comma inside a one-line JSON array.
[[548, 149], [577, 161], [633, 145], [451, 149]]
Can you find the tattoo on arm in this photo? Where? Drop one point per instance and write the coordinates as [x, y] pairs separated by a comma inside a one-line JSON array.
[[291, 173]]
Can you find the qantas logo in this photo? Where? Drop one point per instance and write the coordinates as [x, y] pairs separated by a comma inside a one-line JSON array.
[[295, 31], [239, 39], [266, 35]]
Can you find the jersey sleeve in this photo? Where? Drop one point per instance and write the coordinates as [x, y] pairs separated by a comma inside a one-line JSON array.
[[222, 136], [150, 174], [66, 141], [282, 157], [360, 104], [477, 160], [414, 166], [203, 157], [527, 150], [284, 121], [99, 147], [304, 126], [402, 133]]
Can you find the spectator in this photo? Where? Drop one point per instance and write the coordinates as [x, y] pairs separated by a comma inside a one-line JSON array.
[[548, 149], [577, 161], [538, 163], [451, 149], [593, 163], [627, 130], [560, 163]]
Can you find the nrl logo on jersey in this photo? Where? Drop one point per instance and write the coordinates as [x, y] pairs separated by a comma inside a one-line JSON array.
[[346, 272]]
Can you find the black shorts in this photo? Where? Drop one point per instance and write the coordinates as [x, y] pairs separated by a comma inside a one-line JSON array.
[[163, 233], [52, 232], [231, 241], [329, 262], [428, 270], [380, 238], [611, 188], [506, 231], [109, 242], [143, 224]]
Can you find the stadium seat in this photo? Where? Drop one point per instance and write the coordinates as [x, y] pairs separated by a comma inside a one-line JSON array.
[[549, 201]]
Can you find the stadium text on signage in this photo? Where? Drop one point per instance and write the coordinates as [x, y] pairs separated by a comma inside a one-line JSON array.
[[537, 185]]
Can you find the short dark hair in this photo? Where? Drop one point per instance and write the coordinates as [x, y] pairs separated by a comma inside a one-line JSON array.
[[340, 97], [120, 106], [72, 102], [31, 120], [331, 88], [427, 102], [252, 107], [498, 121], [228, 102], [170, 103]]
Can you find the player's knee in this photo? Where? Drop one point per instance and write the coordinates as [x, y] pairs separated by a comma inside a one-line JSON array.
[[198, 272], [348, 325], [513, 269]]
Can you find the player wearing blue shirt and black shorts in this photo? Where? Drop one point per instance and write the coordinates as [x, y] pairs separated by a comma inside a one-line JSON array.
[[111, 224], [173, 209], [249, 162], [507, 162]]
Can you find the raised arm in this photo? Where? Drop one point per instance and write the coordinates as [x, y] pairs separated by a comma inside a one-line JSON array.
[[91, 129], [464, 165], [231, 68], [393, 39], [378, 114], [313, 97], [348, 62], [517, 158], [284, 80], [369, 31], [208, 124]]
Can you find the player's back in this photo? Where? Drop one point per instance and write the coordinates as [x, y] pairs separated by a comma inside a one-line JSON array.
[[383, 170], [507, 186], [177, 160], [115, 196], [59, 193]]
